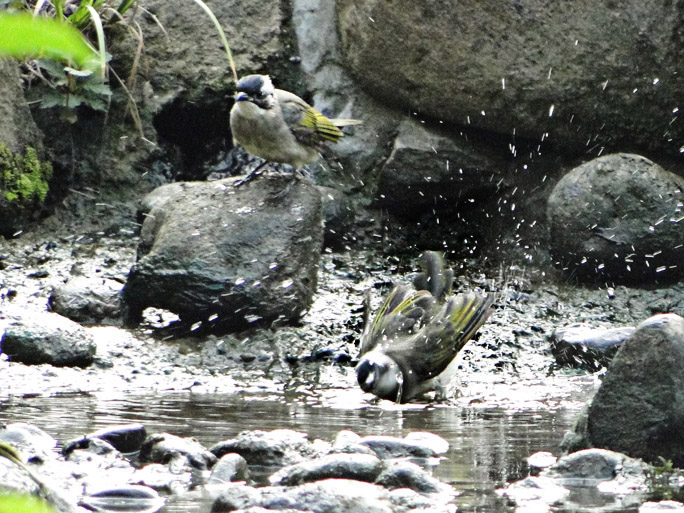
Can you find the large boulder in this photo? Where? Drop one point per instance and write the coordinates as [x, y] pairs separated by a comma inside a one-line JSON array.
[[428, 169], [583, 73], [639, 409], [234, 257], [618, 217]]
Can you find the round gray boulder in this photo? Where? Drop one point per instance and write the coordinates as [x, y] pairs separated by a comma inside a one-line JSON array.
[[620, 218]]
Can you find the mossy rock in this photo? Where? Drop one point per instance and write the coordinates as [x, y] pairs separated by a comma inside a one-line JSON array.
[[24, 185]]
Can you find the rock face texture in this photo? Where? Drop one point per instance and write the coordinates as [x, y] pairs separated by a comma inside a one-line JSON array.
[[638, 410], [583, 73]]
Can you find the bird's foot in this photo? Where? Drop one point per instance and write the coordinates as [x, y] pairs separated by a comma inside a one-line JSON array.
[[257, 171]]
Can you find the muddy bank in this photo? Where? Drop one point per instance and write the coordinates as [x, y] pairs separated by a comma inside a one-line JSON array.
[[509, 363]]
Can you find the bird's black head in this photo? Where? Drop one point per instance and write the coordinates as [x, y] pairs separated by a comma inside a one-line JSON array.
[[257, 89], [366, 375], [378, 374]]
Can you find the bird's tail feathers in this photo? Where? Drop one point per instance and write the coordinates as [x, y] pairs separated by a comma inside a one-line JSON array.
[[435, 277], [340, 122]]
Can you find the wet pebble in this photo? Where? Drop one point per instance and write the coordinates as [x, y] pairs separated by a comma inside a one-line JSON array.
[[230, 467], [362, 467], [587, 347], [393, 447], [404, 474], [176, 452], [329, 495], [133, 498], [125, 438], [276, 448]]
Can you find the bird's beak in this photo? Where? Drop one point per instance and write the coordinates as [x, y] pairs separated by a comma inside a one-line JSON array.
[[241, 97]]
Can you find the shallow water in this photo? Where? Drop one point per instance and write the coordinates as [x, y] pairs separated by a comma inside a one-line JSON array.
[[488, 446]]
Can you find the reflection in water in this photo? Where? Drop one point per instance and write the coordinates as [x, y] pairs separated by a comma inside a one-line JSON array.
[[488, 447]]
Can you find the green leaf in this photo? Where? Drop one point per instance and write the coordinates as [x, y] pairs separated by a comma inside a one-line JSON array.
[[24, 36], [14, 502]]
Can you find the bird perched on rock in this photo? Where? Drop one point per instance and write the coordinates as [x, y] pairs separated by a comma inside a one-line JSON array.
[[279, 126], [417, 333]]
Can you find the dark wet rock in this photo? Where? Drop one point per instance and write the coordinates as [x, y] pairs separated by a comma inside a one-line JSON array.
[[541, 79], [88, 444], [457, 170], [362, 467], [230, 257], [619, 218], [638, 409], [230, 467], [328, 496], [276, 448], [132, 498], [32, 443], [46, 337], [404, 474], [392, 447], [87, 300], [587, 347], [339, 215], [596, 464], [125, 438], [620, 480], [176, 452]]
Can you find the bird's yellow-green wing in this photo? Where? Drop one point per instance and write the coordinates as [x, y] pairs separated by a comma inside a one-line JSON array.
[[435, 345], [306, 123], [322, 128], [400, 313]]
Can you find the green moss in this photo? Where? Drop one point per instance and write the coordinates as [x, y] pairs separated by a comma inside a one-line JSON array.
[[23, 177]]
